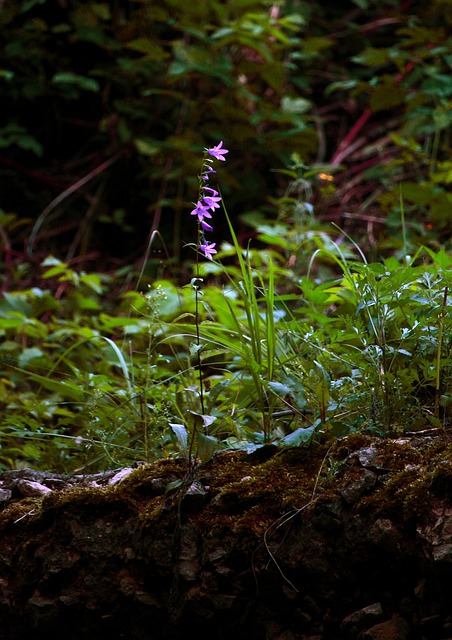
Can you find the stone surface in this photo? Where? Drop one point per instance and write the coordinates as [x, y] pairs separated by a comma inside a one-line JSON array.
[[361, 619], [363, 481], [394, 629], [30, 489]]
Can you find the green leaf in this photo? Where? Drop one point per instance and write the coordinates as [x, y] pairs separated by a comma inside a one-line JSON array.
[[149, 48], [442, 173], [341, 85], [300, 436], [29, 354], [148, 147], [30, 4], [372, 57], [122, 363], [81, 82], [279, 388], [92, 281], [315, 45], [290, 387], [65, 388], [207, 446], [387, 94], [295, 105], [421, 194], [325, 376], [12, 322], [15, 304], [85, 303], [31, 451], [180, 431], [271, 73], [17, 135]]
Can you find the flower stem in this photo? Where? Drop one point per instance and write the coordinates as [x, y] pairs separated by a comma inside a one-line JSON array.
[[198, 339]]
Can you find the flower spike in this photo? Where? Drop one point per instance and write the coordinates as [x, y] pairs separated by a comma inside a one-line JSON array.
[[208, 199]]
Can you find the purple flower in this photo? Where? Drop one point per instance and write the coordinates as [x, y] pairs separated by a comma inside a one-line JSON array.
[[201, 210], [217, 152], [212, 202], [208, 249], [205, 225], [209, 202], [212, 191]]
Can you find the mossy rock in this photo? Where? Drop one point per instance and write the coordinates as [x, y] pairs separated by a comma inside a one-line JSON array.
[[243, 545]]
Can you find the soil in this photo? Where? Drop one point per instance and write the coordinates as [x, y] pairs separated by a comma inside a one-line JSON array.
[[344, 540]]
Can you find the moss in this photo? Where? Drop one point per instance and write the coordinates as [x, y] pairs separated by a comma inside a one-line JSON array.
[[250, 497], [439, 449], [89, 499], [419, 472], [417, 500], [345, 446], [156, 513], [18, 511], [435, 480], [246, 496], [391, 496], [151, 479]]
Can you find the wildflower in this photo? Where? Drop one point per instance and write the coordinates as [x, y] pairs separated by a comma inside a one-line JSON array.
[[209, 200], [208, 249], [205, 225], [212, 191], [217, 152], [201, 210], [212, 202]]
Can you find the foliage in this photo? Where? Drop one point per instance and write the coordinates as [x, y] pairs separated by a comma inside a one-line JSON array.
[[88, 384], [106, 108]]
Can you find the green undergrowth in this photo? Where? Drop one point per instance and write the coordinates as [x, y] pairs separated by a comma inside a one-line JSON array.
[[95, 376]]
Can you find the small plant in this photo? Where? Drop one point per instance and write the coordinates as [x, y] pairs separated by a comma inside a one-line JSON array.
[[208, 201]]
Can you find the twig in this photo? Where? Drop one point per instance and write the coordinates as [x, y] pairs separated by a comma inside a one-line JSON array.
[[65, 194]]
